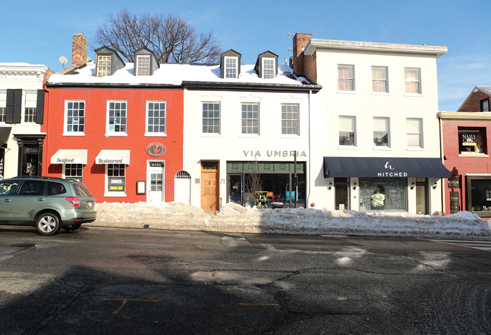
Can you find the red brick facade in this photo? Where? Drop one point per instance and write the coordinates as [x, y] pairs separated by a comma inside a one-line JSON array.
[[79, 49], [473, 101]]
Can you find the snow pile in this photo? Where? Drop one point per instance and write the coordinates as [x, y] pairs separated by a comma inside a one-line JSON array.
[[238, 219]]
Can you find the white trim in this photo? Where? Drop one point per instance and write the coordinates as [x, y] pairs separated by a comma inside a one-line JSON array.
[[263, 67], [114, 133], [65, 114], [138, 67], [106, 184], [156, 134], [226, 67], [353, 90]]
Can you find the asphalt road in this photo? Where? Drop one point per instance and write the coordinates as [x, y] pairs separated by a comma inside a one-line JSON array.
[[124, 281]]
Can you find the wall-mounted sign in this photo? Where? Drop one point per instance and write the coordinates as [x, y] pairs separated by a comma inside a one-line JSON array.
[[156, 164], [274, 153], [454, 182], [155, 149]]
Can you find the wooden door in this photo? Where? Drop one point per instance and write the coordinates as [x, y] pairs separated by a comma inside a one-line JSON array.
[[209, 186]]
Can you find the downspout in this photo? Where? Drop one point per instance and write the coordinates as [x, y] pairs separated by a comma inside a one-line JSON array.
[[309, 177], [443, 159]]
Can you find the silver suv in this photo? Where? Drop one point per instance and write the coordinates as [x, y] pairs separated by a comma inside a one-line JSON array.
[[46, 203]]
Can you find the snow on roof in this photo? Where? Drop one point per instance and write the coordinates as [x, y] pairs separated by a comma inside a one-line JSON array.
[[175, 74], [485, 89]]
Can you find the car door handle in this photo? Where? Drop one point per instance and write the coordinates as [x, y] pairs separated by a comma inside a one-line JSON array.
[[40, 199], [6, 200]]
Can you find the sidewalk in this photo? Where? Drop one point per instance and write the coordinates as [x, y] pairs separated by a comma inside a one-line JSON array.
[[234, 218]]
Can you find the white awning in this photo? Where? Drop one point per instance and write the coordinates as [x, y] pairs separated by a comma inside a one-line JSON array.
[[113, 157], [66, 156]]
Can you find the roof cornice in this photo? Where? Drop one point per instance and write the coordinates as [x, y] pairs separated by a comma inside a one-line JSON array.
[[257, 87], [478, 116], [22, 70], [112, 85], [315, 44]]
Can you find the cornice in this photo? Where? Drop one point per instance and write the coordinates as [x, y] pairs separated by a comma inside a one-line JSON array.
[[476, 116], [22, 70]]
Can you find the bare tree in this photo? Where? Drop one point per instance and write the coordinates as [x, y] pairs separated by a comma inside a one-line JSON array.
[[171, 38], [253, 182]]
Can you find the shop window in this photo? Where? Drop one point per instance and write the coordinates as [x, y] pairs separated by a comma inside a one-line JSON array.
[[347, 130], [250, 119], [74, 171], [381, 131], [116, 181], [472, 140], [388, 194], [479, 195]]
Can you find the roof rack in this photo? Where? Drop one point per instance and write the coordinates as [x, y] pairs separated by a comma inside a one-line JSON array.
[[40, 177]]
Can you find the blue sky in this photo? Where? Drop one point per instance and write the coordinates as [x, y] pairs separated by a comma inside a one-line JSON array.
[[39, 32]]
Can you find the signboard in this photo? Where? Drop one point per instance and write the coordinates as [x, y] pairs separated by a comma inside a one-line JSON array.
[[116, 184], [156, 164], [454, 182], [454, 202]]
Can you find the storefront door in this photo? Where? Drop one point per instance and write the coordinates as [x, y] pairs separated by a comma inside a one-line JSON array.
[[421, 198], [155, 182], [235, 190], [209, 186], [342, 193]]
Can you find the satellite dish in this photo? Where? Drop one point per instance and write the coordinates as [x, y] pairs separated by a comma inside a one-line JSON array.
[[63, 60]]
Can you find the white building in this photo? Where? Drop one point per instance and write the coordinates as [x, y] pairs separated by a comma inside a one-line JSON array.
[[21, 116], [380, 149], [245, 124]]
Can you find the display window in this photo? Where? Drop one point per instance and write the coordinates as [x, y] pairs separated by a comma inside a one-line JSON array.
[[383, 194], [479, 195], [472, 140]]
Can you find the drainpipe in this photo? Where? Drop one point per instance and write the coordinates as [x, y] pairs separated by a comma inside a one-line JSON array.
[[309, 177], [443, 161]]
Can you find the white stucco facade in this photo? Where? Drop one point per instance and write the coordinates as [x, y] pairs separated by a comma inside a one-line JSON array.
[[28, 78], [362, 104]]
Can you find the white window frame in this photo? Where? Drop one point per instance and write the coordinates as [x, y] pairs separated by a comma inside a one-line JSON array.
[[410, 81], [103, 69], [288, 123], [353, 119], [380, 80], [76, 176], [343, 80], [212, 118], [157, 133], [268, 75], [420, 133], [108, 193], [3, 105], [140, 67], [246, 122], [383, 132], [65, 122], [29, 104], [115, 133], [234, 68]]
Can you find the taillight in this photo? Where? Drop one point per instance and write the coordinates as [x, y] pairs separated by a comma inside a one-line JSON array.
[[75, 201]]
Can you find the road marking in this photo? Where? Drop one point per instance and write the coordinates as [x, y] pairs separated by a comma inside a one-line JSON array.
[[124, 302], [479, 245]]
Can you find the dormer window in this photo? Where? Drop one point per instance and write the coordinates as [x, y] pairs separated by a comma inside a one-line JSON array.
[[268, 68], [485, 105], [103, 66], [143, 65], [231, 67]]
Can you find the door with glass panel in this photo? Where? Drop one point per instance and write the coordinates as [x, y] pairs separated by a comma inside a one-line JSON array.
[[209, 185], [235, 188], [421, 196], [155, 181]]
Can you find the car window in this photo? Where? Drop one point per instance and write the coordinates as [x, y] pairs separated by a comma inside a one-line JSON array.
[[82, 190], [56, 188], [32, 187], [8, 187]]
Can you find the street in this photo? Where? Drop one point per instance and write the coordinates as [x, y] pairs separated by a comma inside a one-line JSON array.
[[142, 281]]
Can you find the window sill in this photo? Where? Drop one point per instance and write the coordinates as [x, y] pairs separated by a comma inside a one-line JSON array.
[[249, 135], [155, 135], [381, 93], [290, 136], [415, 149], [73, 134], [346, 92], [347, 147], [111, 195], [116, 135], [413, 95], [210, 134], [474, 155], [382, 148]]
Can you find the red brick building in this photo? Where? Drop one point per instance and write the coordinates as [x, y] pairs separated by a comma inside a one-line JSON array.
[[466, 136], [116, 126]]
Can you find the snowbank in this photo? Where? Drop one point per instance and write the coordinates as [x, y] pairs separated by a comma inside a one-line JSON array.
[[237, 219]]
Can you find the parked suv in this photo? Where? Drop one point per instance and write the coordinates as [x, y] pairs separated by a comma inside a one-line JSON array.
[[46, 203]]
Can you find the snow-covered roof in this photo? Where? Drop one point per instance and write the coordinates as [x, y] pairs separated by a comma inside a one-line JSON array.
[[175, 74], [485, 89]]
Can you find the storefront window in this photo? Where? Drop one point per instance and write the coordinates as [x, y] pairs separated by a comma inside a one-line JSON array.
[[116, 177], [383, 193], [472, 140], [479, 194]]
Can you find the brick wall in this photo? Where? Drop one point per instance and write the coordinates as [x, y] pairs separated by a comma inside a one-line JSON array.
[[300, 41], [79, 49], [473, 102]]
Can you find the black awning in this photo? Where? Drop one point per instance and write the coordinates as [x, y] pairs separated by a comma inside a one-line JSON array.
[[4, 135], [374, 167]]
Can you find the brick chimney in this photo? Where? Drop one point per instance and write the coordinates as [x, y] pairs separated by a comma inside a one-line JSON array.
[[300, 41], [79, 49]]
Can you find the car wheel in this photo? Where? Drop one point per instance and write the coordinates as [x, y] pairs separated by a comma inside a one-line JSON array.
[[72, 227], [48, 224]]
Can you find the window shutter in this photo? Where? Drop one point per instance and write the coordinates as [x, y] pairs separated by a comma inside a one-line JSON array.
[[17, 106], [40, 107], [9, 115]]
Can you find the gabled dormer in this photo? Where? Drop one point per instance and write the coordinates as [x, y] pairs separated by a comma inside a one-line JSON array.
[[267, 65], [145, 62], [230, 64], [107, 61]]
